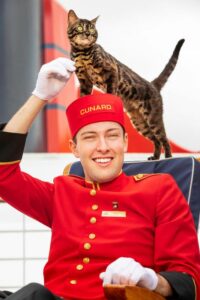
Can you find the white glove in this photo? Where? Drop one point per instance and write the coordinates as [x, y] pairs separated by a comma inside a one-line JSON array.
[[127, 271], [52, 78]]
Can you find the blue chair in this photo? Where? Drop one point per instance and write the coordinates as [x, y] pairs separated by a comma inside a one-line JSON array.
[[185, 170]]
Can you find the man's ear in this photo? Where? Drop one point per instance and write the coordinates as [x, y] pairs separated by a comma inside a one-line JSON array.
[[73, 148], [125, 142]]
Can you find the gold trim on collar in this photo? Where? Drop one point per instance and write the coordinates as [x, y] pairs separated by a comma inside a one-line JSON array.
[[9, 162]]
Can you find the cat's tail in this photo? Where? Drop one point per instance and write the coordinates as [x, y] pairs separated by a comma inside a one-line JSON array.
[[160, 81]]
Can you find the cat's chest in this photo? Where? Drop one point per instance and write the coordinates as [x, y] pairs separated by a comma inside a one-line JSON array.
[[85, 67]]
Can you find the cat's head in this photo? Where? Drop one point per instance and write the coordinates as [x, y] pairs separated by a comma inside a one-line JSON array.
[[82, 33]]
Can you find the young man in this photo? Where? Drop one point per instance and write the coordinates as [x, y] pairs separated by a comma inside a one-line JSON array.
[[108, 228]]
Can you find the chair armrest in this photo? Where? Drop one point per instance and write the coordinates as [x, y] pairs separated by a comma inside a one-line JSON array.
[[121, 292]]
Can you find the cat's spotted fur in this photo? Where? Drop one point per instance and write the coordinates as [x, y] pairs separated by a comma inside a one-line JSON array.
[[142, 99]]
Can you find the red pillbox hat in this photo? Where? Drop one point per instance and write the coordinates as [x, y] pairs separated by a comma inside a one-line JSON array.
[[94, 108]]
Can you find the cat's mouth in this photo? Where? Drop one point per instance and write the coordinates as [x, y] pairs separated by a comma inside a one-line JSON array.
[[84, 40]]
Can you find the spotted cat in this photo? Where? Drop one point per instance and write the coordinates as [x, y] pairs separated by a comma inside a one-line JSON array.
[[142, 99]]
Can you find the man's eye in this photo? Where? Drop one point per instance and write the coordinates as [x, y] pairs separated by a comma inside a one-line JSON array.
[[113, 135], [80, 28], [88, 137]]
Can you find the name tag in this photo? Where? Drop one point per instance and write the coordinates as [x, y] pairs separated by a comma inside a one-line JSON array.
[[114, 213]]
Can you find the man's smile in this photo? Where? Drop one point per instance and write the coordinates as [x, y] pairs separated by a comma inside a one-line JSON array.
[[103, 160]]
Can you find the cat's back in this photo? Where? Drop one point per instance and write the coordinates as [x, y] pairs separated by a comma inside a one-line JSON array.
[[123, 70]]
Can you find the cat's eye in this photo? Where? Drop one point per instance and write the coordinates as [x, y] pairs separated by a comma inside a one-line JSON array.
[[80, 28], [92, 30]]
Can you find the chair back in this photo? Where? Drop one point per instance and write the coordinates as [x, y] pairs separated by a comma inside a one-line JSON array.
[[185, 170]]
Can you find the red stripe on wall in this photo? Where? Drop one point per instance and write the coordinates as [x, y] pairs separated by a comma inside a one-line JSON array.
[[54, 32]]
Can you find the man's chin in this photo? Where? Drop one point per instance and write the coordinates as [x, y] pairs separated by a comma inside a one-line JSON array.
[[105, 177]]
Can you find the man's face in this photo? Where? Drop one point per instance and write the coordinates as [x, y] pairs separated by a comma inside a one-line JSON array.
[[100, 147]]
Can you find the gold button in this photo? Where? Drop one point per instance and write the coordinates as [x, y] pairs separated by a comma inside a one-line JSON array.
[[92, 236], [86, 260], [95, 207], [93, 192], [93, 220], [87, 246], [73, 281], [79, 267]]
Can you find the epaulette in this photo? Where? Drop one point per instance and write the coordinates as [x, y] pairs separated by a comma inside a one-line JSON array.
[[67, 168], [139, 177]]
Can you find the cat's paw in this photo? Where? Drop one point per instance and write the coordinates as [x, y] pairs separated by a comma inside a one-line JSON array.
[[152, 157]]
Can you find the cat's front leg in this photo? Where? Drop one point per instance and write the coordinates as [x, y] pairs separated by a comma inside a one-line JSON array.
[[85, 87], [111, 82]]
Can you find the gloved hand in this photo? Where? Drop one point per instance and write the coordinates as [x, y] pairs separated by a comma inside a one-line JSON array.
[[127, 271], [52, 78]]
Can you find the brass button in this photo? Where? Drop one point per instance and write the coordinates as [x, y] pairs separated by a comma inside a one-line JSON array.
[[92, 236], [93, 192], [86, 260], [79, 267], [87, 246], [95, 207], [93, 220], [73, 281]]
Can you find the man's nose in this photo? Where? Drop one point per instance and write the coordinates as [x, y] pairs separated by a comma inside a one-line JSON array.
[[102, 145]]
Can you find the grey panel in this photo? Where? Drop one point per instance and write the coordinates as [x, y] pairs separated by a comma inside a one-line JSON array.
[[20, 60]]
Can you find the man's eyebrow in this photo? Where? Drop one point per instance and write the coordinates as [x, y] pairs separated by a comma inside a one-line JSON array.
[[88, 132], [113, 129], [94, 132]]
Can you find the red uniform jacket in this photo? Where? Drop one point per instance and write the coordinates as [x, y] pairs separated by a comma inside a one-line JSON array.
[[145, 218]]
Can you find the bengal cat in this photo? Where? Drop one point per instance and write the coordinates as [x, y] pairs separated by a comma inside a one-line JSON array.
[[142, 99]]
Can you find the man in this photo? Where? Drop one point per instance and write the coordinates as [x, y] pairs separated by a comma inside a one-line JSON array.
[[108, 228]]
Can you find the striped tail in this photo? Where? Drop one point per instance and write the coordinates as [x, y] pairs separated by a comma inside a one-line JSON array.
[[160, 81]]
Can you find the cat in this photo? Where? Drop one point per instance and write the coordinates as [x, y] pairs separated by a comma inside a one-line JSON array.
[[142, 99]]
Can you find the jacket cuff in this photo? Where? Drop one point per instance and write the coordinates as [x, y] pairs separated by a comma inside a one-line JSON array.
[[12, 146], [182, 285]]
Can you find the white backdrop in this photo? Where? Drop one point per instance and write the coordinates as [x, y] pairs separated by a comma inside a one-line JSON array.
[[143, 34]]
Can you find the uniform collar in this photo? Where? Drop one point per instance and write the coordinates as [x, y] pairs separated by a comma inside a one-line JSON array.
[[116, 184]]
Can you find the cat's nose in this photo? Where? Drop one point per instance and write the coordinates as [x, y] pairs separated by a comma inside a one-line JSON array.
[[87, 33]]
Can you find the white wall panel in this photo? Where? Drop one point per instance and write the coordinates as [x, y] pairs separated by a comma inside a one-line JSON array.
[[11, 245], [11, 273], [37, 244]]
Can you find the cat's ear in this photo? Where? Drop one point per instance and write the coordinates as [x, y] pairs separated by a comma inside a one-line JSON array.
[[94, 20], [72, 17]]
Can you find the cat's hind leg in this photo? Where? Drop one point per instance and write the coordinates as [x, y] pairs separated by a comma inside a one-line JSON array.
[[158, 132], [143, 127], [166, 147], [157, 148]]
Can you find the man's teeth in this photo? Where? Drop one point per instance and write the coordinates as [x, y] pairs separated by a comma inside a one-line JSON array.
[[102, 160]]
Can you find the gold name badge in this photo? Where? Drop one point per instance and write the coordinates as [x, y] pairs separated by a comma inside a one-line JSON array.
[[114, 213]]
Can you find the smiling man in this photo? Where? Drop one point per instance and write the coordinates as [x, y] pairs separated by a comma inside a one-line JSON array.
[[107, 228], [99, 145]]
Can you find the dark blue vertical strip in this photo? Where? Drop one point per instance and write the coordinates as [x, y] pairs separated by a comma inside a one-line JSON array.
[[20, 60]]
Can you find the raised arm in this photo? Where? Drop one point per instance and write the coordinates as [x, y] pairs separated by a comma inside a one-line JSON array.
[[51, 80]]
